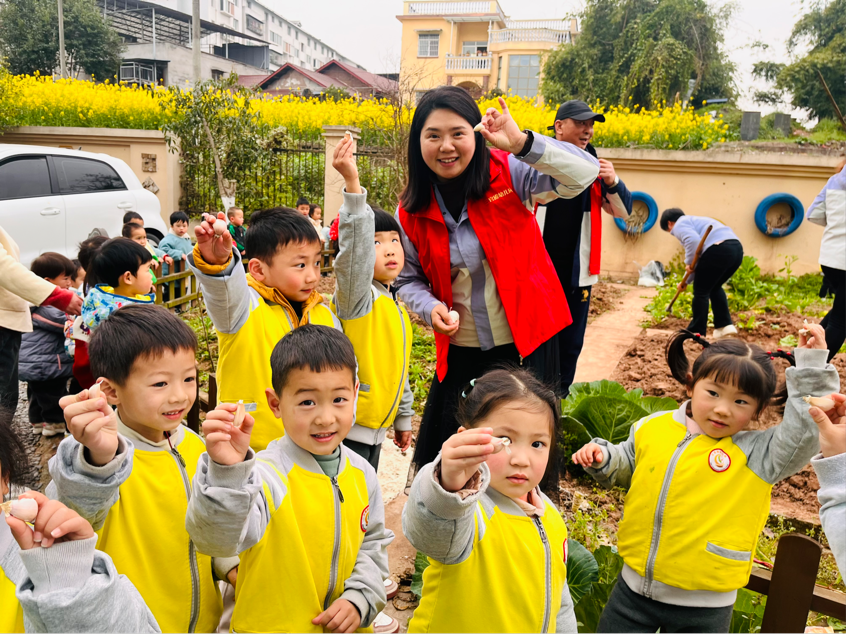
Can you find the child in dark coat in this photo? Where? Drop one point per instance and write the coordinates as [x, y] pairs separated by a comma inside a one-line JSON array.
[[44, 364]]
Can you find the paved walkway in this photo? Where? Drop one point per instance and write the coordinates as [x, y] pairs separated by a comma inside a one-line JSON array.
[[612, 333]]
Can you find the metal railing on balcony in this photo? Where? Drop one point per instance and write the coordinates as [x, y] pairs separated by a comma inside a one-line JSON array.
[[554, 25], [448, 8], [468, 62], [133, 72], [529, 35]]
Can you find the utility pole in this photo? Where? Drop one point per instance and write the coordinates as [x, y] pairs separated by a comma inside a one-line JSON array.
[[62, 64], [195, 39]]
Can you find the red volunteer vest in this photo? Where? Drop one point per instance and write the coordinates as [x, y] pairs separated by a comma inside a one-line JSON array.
[[535, 305]]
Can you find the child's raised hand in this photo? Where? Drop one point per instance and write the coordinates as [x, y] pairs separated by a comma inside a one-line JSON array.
[[832, 425], [341, 616], [227, 444], [813, 337], [54, 523], [588, 455], [343, 160], [462, 454], [92, 423], [215, 246]]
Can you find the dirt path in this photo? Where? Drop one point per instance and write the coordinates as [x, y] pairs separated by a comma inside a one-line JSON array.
[[611, 334]]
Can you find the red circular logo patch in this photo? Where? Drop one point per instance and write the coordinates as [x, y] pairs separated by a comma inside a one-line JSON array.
[[365, 518], [719, 460]]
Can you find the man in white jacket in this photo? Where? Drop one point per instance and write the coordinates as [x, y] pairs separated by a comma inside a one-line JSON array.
[[20, 287]]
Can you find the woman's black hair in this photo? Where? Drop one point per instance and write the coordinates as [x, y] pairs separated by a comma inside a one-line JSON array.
[[731, 361], [113, 259], [507, 384], [383, 220], [418, 192], [670, 215], [13, 457]]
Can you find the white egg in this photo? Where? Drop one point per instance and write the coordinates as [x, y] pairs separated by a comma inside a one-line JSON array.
[[220, 227], [25, 510], [453, 316]]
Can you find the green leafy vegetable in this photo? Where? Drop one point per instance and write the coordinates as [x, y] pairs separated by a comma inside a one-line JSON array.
[[582, 570]]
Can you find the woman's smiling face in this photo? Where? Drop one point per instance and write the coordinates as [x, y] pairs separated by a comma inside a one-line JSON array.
[[448, 143]]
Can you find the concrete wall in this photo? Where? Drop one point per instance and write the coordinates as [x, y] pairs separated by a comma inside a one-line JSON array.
[[722, 185], [180, 63], [127, 145]]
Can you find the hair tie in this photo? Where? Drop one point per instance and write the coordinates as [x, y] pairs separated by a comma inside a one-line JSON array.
[[696, 334], [472, 385]]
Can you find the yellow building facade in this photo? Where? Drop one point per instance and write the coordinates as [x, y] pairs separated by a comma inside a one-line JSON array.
[[473, 44]]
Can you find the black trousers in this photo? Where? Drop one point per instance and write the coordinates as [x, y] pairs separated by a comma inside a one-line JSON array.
[[716, 266], [572, 338], [10, 348], [44, 399], [370, 453], [627, 611], [835, 321], [466, 364]]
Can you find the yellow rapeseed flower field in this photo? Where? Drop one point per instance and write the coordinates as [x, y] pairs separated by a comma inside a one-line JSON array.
[[43, 101]]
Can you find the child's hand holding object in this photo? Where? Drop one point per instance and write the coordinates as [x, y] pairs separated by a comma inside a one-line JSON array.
[[53, 523], [213, 239], [462, 454], [341, 616], [93, 423], [227, 429]]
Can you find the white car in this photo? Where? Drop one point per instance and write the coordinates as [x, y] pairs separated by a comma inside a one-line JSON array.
[[52, 198]]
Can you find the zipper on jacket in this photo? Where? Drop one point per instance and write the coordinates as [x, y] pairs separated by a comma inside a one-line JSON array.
[[402, 372], [548, 554], [192, 551], [659, 514], [336, 548]]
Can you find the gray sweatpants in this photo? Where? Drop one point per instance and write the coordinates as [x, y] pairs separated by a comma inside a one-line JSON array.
[[627, 611]]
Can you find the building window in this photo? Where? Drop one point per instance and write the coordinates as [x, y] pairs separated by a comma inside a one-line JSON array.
[[302, 46], [276, 58], [236, 25], [418, 95], [255, 25], [289, 29], [474, 48], [308, 59], [427, 44], [296, 54], [287, 48], [499, 71], [275, 37], [296, 35], [217, 75], [523, 71]]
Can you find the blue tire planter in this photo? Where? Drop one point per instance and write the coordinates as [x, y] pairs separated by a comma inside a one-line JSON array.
[[651, 219], [764, 206]]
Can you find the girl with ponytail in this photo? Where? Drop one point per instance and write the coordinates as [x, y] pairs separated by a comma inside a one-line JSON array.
[[701, 481]]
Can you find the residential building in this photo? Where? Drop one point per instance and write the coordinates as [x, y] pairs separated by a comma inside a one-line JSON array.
[[473, 44], [293, 79]]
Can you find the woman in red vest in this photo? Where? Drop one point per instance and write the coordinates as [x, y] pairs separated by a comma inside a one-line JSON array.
[[472, 246]]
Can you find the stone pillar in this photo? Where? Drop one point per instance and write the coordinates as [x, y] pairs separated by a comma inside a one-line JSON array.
[[333, 182]]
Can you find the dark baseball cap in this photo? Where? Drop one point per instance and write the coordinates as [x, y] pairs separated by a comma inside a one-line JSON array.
[[577, 110]]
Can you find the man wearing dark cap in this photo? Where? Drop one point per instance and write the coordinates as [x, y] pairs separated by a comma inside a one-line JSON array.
[[572, 230]]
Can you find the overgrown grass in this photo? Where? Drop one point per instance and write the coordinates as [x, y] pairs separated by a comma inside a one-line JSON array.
[[749, 290]]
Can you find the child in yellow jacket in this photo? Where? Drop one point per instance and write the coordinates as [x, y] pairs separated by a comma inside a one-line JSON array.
[[129, 471], [253, 311]]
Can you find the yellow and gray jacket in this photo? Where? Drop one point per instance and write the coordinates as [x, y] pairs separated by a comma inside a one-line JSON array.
[[492, 568], [137, 504], [697, 504], [69, 587], [376, 323], [304, 539], [248, 328]]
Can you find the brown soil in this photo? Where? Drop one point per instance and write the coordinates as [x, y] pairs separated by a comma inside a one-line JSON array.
[[603, 298], [644, 366]]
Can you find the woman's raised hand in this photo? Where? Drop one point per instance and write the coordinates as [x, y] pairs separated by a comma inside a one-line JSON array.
[[501, 131]]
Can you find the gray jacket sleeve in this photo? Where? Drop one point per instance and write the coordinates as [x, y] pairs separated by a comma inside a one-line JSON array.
[[439, 523], [90, 491], [403, 420], [227, 512], [10, 563], [365, 587], [565, 620], [832, 494], [356, 257], [227, 295], [71, 587], [618, 461], [781, 451]]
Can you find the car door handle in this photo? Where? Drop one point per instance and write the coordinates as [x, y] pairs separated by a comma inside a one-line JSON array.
[[51, 211], [125, 205]]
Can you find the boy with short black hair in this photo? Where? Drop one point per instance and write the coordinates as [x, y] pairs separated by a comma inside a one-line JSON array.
[[303, 205], [371, 257], [43, 363], [133, 217], [253, 311], [128, 471], [237, 229], [177, 244], [137, 233], [306, 514]]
